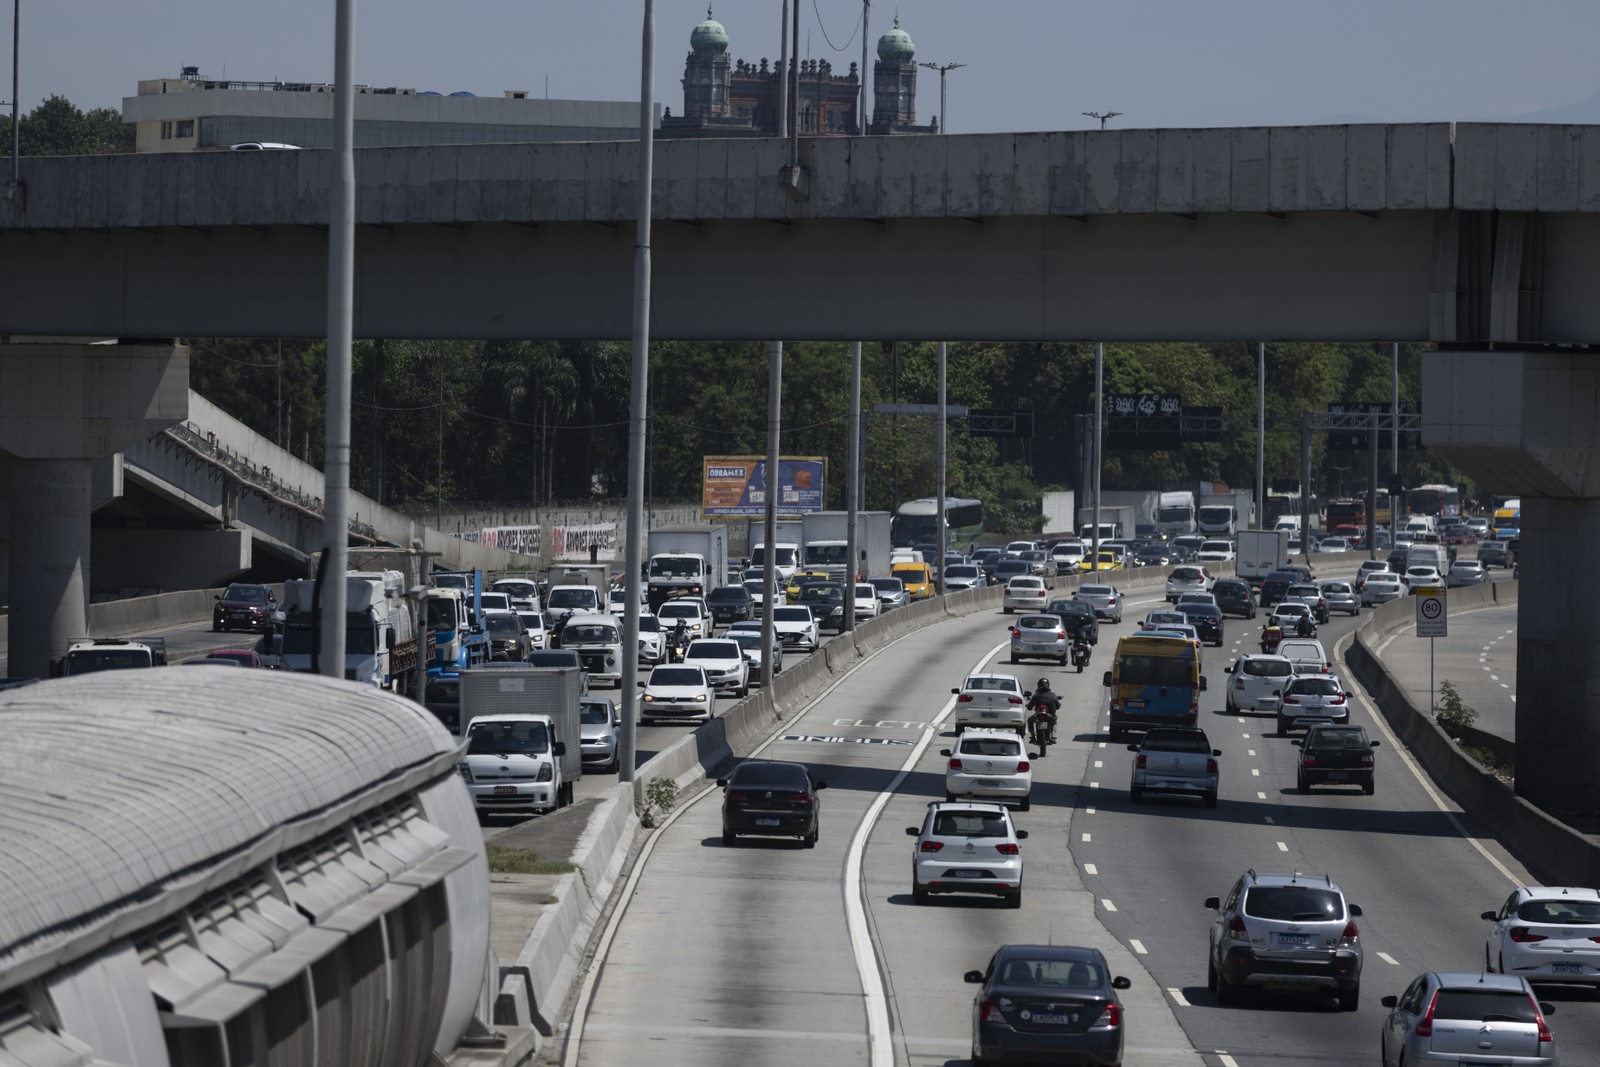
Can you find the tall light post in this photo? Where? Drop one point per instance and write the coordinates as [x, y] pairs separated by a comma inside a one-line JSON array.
[[1102, 116], [1339, 481], [14, 186], [944, 117]]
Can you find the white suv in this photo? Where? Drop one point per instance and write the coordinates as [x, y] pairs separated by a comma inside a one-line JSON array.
[[1188, 579], [988, 763], [691, 611], [724, 663], [1257, 683], [967, 847]]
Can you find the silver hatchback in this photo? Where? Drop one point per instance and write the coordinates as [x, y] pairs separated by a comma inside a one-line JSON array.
[[1341, 596], [1039, 637], [1467, 1018]]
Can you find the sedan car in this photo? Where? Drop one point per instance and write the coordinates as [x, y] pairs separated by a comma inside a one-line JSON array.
[[1206, 619], [599, 729], [243, 606], [1494, 554], [1023, 594], [768, 798], [1235, 598], [1335, 755], [724, 663], [1312, 696], [1104, 599], [1380, 588], [1467, 1018], [967, 847], [1188, 579], [1047, 1004], [1546, 934], [1466, 572], [797, 627], [964, 576], [990, 700], [891, 593], [992, 764], [1332, 545], [1039, 637], [748, 634], [676, 691]]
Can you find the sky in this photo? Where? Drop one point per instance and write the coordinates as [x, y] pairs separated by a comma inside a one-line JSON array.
[[1029, 64]]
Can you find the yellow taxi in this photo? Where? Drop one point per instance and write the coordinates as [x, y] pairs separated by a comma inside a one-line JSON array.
[[1105, 561], [798, 580], [917, 578]]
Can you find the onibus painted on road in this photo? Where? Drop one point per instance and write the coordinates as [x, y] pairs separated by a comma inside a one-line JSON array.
[[1154, 681]]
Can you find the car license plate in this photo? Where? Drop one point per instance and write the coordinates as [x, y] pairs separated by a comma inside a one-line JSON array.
[[1056, 1019], [1566, 968], [505, 790], [766, 822], [1136, 703], [965, 873], [991, 715], [1294, 939], [1266, 702], [988, 783], [1337, 776]]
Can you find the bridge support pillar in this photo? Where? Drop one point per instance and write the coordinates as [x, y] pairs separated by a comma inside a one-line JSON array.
[[1529, 424], [62, 406]]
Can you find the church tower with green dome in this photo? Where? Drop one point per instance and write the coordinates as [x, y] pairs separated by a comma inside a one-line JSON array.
[[894, 84], [705, 76]]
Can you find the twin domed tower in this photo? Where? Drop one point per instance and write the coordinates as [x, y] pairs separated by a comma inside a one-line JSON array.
[[723, 98]]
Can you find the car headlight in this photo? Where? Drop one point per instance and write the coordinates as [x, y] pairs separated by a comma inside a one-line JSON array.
[[703, 696], [648, 699], [546, 773], [466, 773]]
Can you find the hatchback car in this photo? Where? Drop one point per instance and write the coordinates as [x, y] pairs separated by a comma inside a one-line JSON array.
[[768, 798], [676, 691], [1421, 576], [866, 596], [1291, 931], [992, 764], [1040, 565], [1078, 618], [967, 847], [891, 593], [1039, 637], [1023, 594], [1380, 587], [1546, 934], [1467, 1018], [1047, 1004], [1206, 619], [1188, 579], [1465, 572], [691, 612], [748, 634], [724, 663], [1340, 596], [508, 639], [964, 576], [730, 603], [1257, 683], [1312, 696], [1494, 554], [990, 700], [1156, 620], [1235, 598], [1104, 599], [1008, 567], [1311, 596], [533, 626], [599, 729], [243, 606], [1335, 755]]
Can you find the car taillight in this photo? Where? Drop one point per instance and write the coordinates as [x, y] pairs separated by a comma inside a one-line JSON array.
[[932, 846], [1366, 761], [1109, 1019], [1238, 683], [1061, 635], [1522, 936], [1308, 760], [964, 698], [1290, 700], [1425, 1026], [1236, 929], [803, 798], [1139, 761], [1007, 849], [738, 798], [1014, 700], [1544, 1028], [1348, 938], [955, 765], [988, 1012], [1022, 765], [1115, 706], [1016, 633], [1211, 766], [1338, 699]]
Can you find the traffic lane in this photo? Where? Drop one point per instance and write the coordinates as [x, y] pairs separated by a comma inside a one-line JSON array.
[[742, 954], [925, 949], [1479, 658], [184, 641]]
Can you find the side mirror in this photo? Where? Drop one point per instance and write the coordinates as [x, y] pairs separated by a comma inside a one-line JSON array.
[[973, 977], [217, 597], [944, 752], [1374, 744], [559, 748], [1033, 755], [643, 684], [1120, 982], [1227, 670], [1490, 916], [1297, 743], [1547, 1007], [1022, 835], [1213, 903], [1390, 1002], [1216, 752], [723, 782], [1106, 681], [1133, 748], [1202, 683], [913, 831], [1355, 911], [819, 784]]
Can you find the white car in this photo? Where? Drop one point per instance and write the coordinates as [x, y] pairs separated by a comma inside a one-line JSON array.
[[1160, 620], [1104, 599], [676, 691], [1422, 576], [1215, 552], [1017, 548], [1023, 594], [693, 613], [724, 663], [1187, 578], [757, 588], [652, 640], [1256, 683], [797, 627], [1333, 544], [1068, 556], [1380, 587], [866, 600], [749, 638], [1546, 934], [988, 763], [967, 847], [533, 623], [1198, 598], [990, 700]]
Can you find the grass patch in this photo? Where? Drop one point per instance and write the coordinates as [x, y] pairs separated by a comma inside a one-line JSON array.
[[504, 860]]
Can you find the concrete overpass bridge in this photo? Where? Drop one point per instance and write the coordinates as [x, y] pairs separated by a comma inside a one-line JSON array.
[[1483, 239]]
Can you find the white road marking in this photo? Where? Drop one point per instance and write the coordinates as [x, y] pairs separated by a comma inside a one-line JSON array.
[[1261, 796], [1241, 718], [1102, 744], [1494, 677], [1138, 946], [1390, 960], [1249, 752], [1086, 839], [1105, 902], [1268, 818], [1089, 868], [1247, 737], [1282, 847], [1177, 995], [1094, 785], [1255, 772], [1504, 686], [1226, 1060], [1088, 811], [1097, 763]]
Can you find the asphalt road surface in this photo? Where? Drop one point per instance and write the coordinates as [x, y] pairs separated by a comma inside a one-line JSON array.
[[1479, 658]]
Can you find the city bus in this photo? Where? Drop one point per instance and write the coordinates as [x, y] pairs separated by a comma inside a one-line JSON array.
[[1438, 501], [1154, 681], [1352, 512], [914, 524], [1507, 520]]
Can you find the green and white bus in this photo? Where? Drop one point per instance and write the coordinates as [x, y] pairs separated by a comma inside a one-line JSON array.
[[915, 523]]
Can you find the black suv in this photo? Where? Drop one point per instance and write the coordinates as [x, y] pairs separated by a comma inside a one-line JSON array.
[[1275, 586], [244, 607], [729, 603], [1235, 598], [1335, 755], [1206, 620], [1078, 617]]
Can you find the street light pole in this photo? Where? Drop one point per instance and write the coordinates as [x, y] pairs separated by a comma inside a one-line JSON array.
[[944, 118], [1102, 116], [14, 186]]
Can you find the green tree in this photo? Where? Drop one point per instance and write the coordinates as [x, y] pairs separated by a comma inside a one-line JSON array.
[[58, 128]]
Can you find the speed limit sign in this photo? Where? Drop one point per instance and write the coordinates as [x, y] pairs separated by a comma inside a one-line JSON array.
[[1432, 617]]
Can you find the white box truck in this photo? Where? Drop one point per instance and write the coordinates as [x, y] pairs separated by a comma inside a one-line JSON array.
[[826, 537], [522, 729], [1058, 511], [1116, 521], [1224, 514], [380, 639], [1175, 513], [1260, 552], [686, 561]]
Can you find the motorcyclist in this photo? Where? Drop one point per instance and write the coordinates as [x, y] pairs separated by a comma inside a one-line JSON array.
[[1305, 628], [558, 629], [1043, 707], [1080, 649], [680, 638], [1271, 635]]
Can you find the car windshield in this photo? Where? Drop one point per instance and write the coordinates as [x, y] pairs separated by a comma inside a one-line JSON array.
[[1293, 903], [1336, 587], [594, 713], [1173, 741], [1205, 611], [970, 824], [572, 599], [746, 639], [714, 650], [822, 594], [502, 624], [676, 676], [1187, 574], [990, 746], [649, 624], [964, 570], [679, 611], [791, 615], [866, 592], [1156, 670], [531, 620], [591, 633], [1027, 583], [675, 567], [727, 593], [507, 739], [246, 594], [1095, 590], [888, 585], [1267, 668], [517, 587]]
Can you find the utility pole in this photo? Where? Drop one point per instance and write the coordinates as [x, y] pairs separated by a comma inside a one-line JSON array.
[[861, 118], [14, 186], [1102, 116], [1261, 436], [944, 117]]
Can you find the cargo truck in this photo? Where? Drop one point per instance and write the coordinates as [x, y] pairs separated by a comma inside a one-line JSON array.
[[1058, 510], [1175, 513], [686, 561], [1259, 553], [380, 642], [786, 557], [523, 733], [826, 540], [1116, 521], [1224, 514], [110, 654]]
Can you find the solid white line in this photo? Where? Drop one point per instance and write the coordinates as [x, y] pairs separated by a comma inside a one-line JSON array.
[[1386, 958], [1105, 902], [1282, 847], [1177, 995], [1089, 868], [1138, 946]]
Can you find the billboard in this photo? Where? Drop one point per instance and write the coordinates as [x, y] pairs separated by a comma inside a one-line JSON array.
[[737, 485]]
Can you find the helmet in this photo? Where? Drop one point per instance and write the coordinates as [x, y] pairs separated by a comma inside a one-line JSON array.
[[1044, 684]]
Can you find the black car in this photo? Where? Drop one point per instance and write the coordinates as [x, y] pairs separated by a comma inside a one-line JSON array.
[[1235, 598], [730, 603], [244, 607], [1206, 620], [1152, 555], [1078, 616], [826, 601], [1274, 588], [1047, 1004], [765, 798], [1335, 755]]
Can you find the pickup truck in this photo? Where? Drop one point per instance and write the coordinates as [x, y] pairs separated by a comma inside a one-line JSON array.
[[1175, 759]]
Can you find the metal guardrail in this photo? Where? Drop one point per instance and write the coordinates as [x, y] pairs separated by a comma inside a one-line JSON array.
[[205, 447]]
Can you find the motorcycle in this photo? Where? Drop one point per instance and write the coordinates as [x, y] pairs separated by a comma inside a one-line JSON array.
[[1042, 727], [1271, 637], [677, 647], [1080, 655]]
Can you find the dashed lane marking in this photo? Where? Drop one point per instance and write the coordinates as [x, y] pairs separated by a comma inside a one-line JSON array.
[[1250, 752], [1105, 902], [1226, 1060], [1086, 839], [1255, 772], [1261, 796], [1138, 946], [1390, 960], [1089, 868], [1178, 997], [1099, 763], [1282, 847]]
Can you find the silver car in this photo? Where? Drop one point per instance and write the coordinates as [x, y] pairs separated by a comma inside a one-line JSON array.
[[599, 727], [1039, 637], [1341, 596], [1312, 697], [1465, 572], [1380, 588], [964, 576], [1292, 931], [1104, 599], [1467, 1018], [891, 593]]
